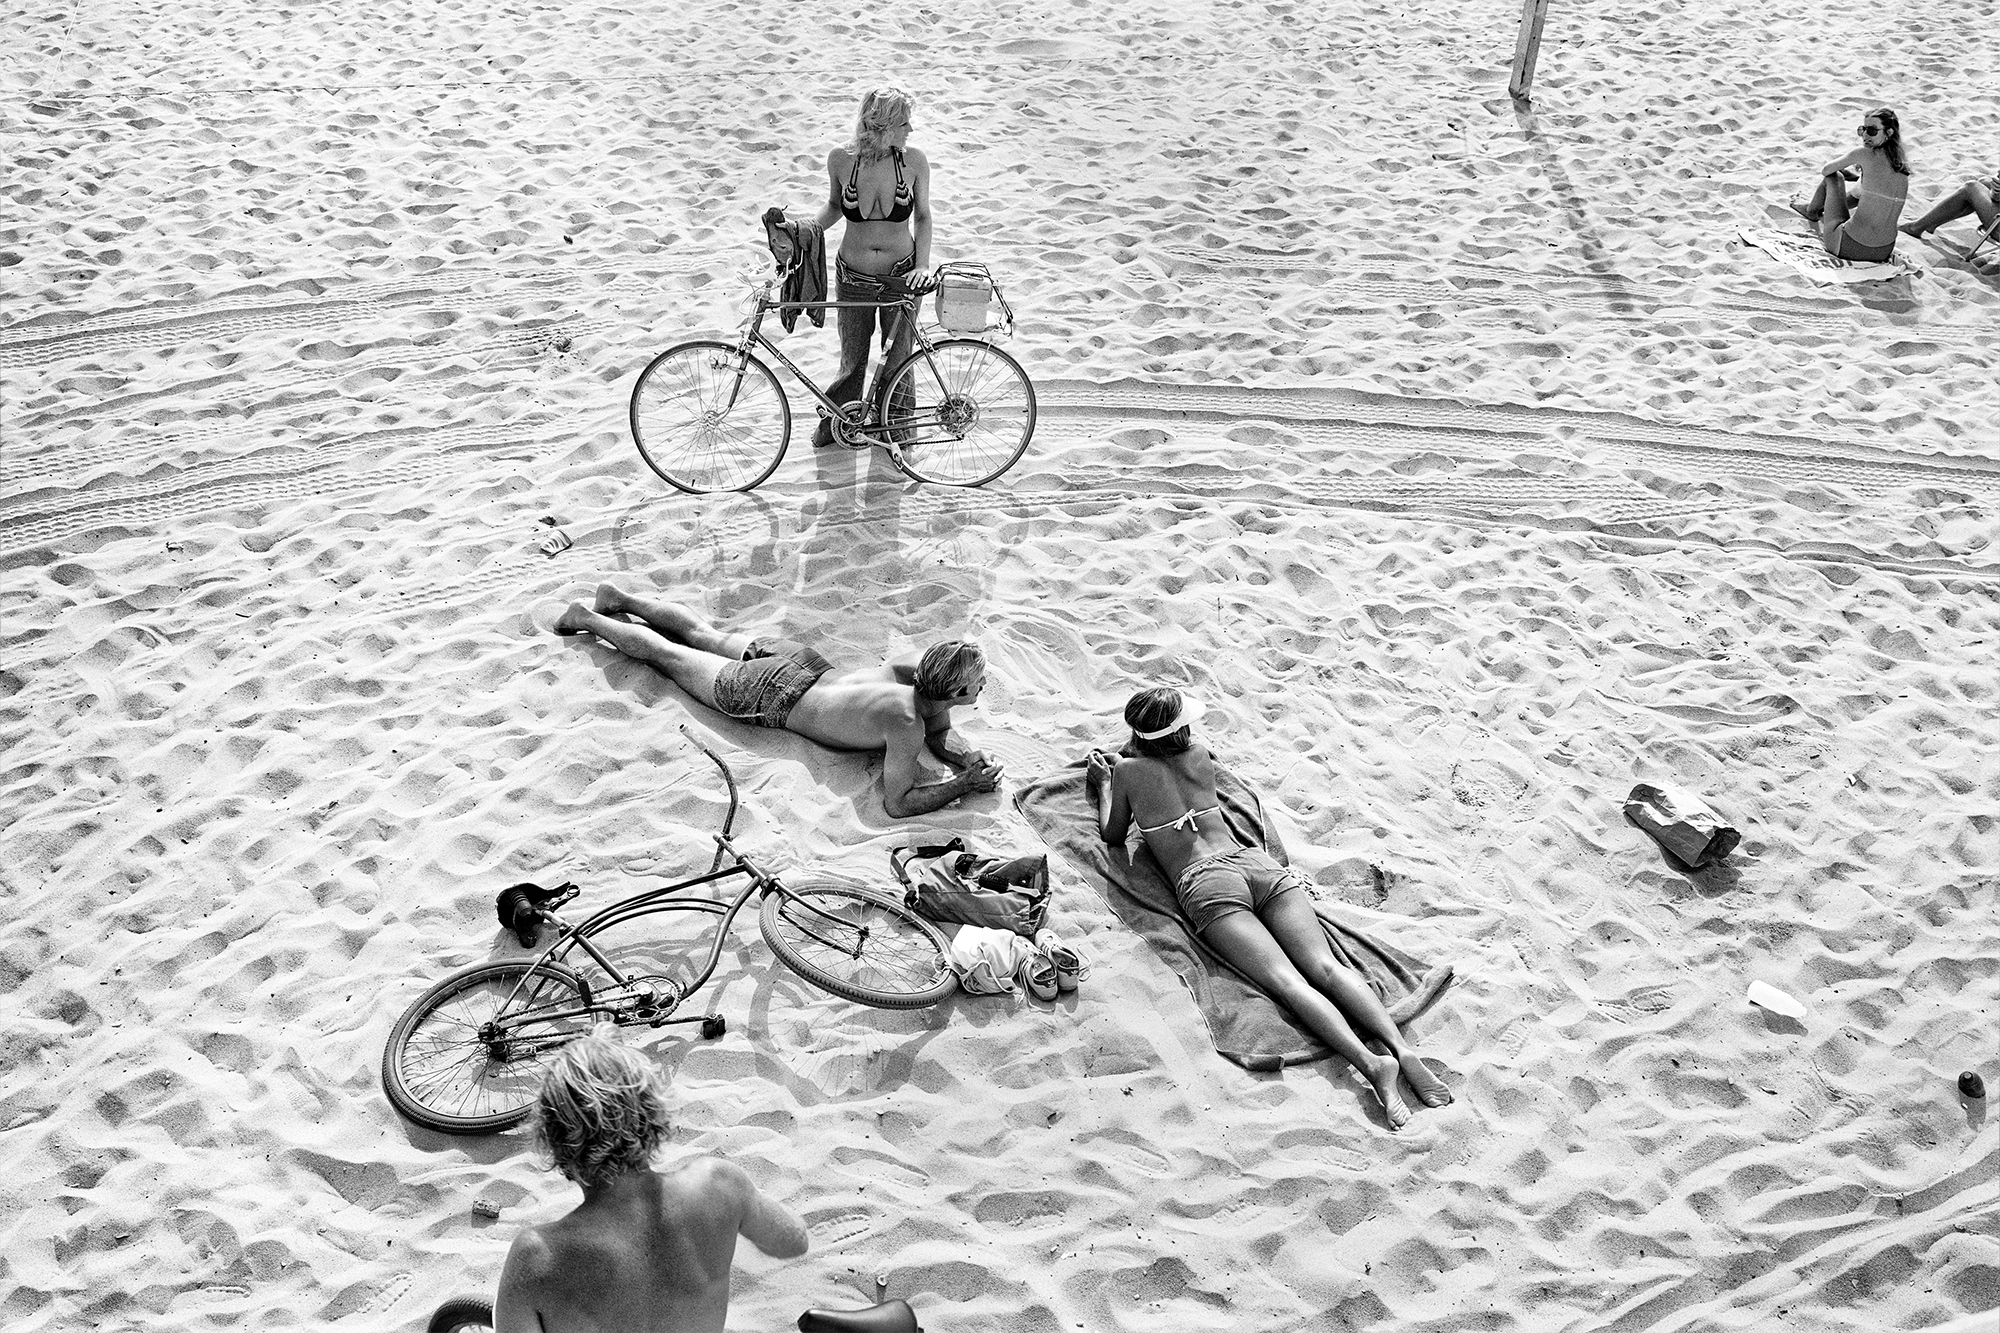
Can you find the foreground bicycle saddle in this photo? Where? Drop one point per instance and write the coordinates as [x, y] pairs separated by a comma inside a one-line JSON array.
[[520, 908], [888, 1317]]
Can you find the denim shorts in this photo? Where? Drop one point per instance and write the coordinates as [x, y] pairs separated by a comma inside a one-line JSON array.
[[1239, 881]]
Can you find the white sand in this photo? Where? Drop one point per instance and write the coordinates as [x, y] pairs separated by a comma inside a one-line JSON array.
[[1456, 455]]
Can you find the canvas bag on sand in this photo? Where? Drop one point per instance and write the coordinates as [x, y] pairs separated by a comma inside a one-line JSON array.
[[953, 883]]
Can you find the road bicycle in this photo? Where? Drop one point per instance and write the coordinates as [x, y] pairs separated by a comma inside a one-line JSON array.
[[709, 415], [469, 1056]]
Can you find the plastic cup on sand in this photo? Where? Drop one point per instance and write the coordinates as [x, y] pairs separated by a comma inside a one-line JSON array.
[[1770, 997], [1692, 833]]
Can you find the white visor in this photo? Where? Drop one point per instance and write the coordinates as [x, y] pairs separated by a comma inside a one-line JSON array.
[[1189, 714]]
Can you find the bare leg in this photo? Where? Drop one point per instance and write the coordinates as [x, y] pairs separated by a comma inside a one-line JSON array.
[[1954, 205], [693, 669], [676, 622], [1983, 203], [1811, 212], [1834, 192], [1249, 947], [1295, 925]]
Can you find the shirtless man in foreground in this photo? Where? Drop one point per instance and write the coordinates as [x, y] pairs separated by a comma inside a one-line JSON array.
[[646, 1251], [899, 708]]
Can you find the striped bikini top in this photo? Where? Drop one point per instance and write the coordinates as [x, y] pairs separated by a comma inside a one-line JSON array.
[[850, 196]]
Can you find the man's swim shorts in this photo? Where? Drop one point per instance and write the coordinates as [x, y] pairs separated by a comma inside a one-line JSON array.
[[770, 680], [1238, 881]]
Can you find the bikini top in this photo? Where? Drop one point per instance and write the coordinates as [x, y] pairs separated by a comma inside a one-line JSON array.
[[1186, 820], [850, 196]]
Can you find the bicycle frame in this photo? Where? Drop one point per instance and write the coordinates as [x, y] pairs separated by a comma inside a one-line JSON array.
[[651, 902], [752, 335]]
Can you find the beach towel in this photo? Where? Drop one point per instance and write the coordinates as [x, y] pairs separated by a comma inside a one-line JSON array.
[[1246, 1025], [1808, 256]]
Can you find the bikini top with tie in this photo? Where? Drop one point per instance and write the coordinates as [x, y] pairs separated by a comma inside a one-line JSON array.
[[1186, 820], [850, 196]]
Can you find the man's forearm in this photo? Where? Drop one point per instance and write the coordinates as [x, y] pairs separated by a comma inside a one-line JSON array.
[[947, 746], [923, 800]]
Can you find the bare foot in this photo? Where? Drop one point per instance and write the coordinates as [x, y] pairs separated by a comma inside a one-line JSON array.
[[1430, 1089], [575, 620], [609, 600], [1805, 212], [1911, 229], [1381, 1075]]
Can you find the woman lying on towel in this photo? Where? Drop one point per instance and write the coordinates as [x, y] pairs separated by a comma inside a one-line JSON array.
[[1252, 911], [1862, 225]]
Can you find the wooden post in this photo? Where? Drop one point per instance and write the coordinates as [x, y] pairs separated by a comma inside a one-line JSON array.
[[1528, 47]]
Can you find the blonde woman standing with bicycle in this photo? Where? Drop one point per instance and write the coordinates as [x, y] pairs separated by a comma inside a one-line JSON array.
[[882, 188]]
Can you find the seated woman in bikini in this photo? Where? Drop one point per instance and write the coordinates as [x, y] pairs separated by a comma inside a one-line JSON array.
[[1862, 225], [1254, 912]]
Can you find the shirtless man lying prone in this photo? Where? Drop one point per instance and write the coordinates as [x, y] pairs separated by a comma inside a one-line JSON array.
[[899, 708]]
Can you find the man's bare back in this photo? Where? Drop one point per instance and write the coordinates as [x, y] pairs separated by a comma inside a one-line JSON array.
[[648, 1253], [780, 684]]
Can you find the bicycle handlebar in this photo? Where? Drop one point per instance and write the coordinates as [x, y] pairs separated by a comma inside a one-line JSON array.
[[729, 778]]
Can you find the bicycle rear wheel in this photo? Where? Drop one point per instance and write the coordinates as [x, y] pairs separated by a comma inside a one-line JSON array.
[[961, 412], [708, 417], [464, 1061], [857, 945]]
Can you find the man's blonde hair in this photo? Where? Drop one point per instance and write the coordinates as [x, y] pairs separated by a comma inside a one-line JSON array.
[[947, 668], [601, 1112]]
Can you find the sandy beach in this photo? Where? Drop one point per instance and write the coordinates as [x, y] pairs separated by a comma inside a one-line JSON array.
[[1457, 453]]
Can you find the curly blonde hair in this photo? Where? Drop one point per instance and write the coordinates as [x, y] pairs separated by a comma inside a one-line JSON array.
[[601, 1111], [882, 111]]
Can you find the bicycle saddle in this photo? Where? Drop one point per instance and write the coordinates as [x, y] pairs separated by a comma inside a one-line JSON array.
[[520, 908], [888, 1317]]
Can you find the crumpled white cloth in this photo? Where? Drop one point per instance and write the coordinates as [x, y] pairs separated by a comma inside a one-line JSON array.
[[986, 959]]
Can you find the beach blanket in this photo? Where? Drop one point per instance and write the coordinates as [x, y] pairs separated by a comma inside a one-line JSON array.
[[1808, 256], [1245, 1024]]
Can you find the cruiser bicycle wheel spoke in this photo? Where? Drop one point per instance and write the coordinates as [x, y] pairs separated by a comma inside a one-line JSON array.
[[707, 417], [961, 412], [465, 1060], [857, 945]]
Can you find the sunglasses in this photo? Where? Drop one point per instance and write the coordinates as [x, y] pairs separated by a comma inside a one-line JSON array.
[[1869, 130]]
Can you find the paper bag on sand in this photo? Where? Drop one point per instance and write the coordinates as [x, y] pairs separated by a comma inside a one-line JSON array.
[[1691, 832]]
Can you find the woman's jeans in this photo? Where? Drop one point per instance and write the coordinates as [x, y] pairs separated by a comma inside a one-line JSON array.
[[857, 329]]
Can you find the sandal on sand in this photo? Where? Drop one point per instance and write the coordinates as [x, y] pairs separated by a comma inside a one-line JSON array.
[[1037, 976], [1071, 961]]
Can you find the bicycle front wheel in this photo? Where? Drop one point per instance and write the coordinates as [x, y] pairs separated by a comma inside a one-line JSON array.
[[708, 417], [857, 945], [961, 412], [463, 1060]]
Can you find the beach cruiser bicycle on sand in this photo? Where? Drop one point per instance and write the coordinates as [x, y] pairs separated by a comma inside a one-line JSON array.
[[470, 1055], [709, 415]]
